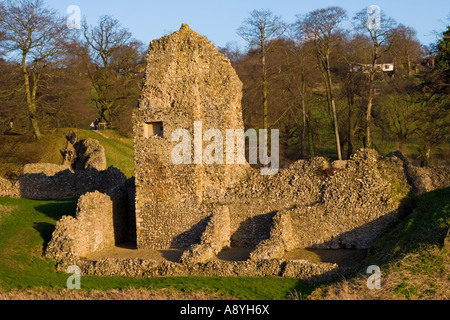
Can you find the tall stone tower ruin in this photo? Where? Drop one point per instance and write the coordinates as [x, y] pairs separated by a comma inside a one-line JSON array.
[[187, 80]]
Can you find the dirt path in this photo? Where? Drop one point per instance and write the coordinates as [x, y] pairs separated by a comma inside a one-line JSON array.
[[102, 134]]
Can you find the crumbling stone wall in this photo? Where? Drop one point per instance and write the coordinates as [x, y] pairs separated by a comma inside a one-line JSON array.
[[280, 239], [67, 184], [214, 239], [102, 221], [256, 200], [357, 204], [310, 273], [43, 181], [90, 231], [90, 155], [61, 185], [187, 80]]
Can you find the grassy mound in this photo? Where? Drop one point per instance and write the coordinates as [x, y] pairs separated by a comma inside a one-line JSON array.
[[16, 151], [414, 258]]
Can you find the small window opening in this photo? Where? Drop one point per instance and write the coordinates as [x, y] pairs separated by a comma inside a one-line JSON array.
[[153, 129]]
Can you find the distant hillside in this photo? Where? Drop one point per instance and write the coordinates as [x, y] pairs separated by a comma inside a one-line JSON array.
[[414, 258], [19, 150]]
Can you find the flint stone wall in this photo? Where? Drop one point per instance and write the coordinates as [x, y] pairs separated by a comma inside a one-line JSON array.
[[68, 185], [315, 207], [102, 221], [357, 204], [187, 80], [90, 231], [45, 181], [311, 273], [214, 239]]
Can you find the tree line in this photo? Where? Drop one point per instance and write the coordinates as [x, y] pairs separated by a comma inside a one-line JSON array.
[[330, 89], [54, 76]]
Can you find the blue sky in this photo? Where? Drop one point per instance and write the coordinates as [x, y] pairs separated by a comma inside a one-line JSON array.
[[219, 20]]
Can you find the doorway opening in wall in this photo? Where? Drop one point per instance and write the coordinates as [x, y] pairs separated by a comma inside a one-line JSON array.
[[154, 129]]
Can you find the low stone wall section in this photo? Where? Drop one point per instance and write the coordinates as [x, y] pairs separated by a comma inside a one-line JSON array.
[[90, 231], [358, 201], [310, 273], [68, 185], [101, 222]]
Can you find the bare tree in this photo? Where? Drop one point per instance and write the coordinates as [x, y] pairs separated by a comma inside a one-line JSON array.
[[32, 35], [322, 27], [302, 76], [406, 48], [116, 59], [373, 22], [259, 30]]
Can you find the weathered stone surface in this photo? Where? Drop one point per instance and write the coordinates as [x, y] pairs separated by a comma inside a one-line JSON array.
[[280, 239], [187, 80], [311, 273], [90, 155], [9, 189], [339, 164], [49, 169], [423, 180], [214, 239], [355, 205], [90, 231], [67, 184]]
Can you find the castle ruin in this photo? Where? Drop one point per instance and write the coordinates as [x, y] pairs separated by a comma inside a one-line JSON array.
[[187, 81], [203, 210]]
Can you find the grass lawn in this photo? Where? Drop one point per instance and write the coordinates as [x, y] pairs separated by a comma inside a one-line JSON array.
[[26, 227]]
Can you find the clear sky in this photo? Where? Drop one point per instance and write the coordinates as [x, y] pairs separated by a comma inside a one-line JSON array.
[[219, 20]]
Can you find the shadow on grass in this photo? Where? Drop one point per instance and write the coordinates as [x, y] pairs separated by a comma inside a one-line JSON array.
[[301, 291], [46, 230], [54, 210], [57, 209]]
